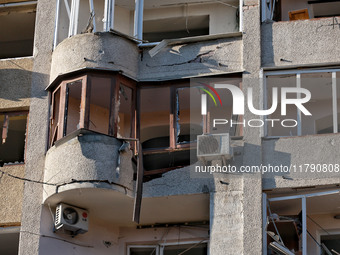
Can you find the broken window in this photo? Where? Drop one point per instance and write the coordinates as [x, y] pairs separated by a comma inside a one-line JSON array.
[[165, 128], [73, 106], [189, 121], [171, 119], [9, 240], [279, 10], [13, 135], [148, 20], [17, 22], [302, 223], [83, 16], [219, 105], [274, 127], [168, 19], [101, 102], [155, 118], [323, 104]]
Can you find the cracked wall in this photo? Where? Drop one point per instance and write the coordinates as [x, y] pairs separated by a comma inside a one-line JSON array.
[[183, 60], [99, 50]]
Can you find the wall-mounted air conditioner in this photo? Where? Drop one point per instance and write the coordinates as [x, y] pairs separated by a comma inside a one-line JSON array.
[[71, 218], [214, 146]]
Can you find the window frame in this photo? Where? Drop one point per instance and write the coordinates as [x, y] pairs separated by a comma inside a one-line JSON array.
[[84, 117], [173, 145], [266, 200], [15, 113], [298, 73], [29, 6], [108, 20]]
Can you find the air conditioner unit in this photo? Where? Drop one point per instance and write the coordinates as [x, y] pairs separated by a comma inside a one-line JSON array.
[[71, 218], [214, 146]]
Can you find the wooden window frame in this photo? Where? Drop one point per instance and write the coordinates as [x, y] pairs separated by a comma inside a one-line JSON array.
[[173, 145], [84, 117]]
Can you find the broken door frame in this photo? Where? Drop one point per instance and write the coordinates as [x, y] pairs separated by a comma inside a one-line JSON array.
[[303, 198]]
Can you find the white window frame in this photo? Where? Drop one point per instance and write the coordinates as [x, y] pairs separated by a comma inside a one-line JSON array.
[[138, 21], [108, 20], [298, 85], [303, 198]]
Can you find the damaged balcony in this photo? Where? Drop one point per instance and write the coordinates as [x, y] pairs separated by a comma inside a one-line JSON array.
[[92, 138], [296, 32], [148, 20], [149, 40], [301, 222]]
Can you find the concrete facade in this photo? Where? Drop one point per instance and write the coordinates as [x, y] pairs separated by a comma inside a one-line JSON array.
[[180, 209]]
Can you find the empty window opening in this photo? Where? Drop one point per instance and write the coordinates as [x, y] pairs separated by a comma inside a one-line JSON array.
[[279, 10], [12, 137], [166, 127], [73, 106], [287, 81], [188, 115], [9, 240], [17, 22], [323, 105], [219, 105], [155, 118], [169, 20], [83, 16], [150, 21], [168, 28], [100, 102]]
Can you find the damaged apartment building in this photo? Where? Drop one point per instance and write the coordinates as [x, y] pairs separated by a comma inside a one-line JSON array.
[[108, 108]]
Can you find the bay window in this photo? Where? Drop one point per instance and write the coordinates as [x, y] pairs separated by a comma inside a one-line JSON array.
[[100, 102]]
